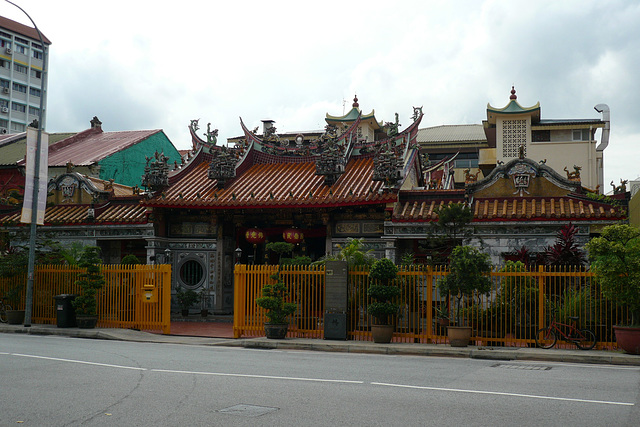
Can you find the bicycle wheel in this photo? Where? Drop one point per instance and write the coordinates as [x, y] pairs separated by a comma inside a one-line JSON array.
[[585, 340], [545, 338], [3, 313]]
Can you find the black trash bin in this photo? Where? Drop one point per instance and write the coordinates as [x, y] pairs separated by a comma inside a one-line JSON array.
[[66, 315]]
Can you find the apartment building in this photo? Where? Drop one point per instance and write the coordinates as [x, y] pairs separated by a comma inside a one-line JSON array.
[[23, 70]]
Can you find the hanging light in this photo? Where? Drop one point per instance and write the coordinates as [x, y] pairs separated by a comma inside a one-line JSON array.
[[292, 235]]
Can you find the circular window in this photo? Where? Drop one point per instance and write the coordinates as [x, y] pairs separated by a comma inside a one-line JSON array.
[[191, 273]]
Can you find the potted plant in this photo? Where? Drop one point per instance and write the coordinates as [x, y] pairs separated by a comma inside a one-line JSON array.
[[615, 259], [14, 296], [90, 281], [204, 297], [382, 292], [186, 299], [467, 269], [274, 296]]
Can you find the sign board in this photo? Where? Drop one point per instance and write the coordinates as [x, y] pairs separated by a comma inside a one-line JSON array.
[[335, 286]]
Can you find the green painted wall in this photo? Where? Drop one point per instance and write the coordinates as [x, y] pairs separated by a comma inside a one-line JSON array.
[[127, 166]]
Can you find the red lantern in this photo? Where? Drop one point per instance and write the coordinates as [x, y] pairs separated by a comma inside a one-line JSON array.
[[292, 235], [254, 236]]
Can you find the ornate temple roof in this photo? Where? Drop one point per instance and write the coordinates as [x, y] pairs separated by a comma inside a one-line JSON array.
[[336, 169], [569, 208], [513, 107]]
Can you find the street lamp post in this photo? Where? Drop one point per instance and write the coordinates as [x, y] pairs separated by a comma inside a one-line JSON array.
[[36, 182]]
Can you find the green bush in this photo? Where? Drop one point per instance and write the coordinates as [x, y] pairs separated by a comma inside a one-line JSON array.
[[615, 257], [90, 282], [467, 275], [186, 298], [273, 301], [130, 259], [383, 291]]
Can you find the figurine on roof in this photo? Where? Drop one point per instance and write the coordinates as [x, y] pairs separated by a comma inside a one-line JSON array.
[[212, 135]]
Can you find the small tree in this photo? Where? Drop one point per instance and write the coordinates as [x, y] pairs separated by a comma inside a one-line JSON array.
[[274, 295], [354, 252], [615, 259], [130, 259], [382, 291], [467, 274], [273, 301], [90, 282]]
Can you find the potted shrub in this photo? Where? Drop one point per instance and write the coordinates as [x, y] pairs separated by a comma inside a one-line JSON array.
[[273, 300], [90, 281], [14, 296], [615, 259], [382, 292], [274, 296], [467, 275], [186, 299], [204, 298]]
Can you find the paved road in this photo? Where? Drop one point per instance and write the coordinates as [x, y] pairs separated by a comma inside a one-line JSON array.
[[58, 381]]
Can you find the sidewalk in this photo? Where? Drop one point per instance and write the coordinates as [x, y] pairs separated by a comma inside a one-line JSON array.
[[441, 350]]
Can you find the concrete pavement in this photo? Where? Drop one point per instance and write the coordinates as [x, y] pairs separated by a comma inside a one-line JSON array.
[[441, 350]]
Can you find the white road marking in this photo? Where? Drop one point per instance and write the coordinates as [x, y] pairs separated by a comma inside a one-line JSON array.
[[271, 377], [107, 365], [530, 396], [220, 374]]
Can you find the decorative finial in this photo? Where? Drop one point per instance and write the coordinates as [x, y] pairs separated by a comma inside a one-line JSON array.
[[355, 102], [513, 93]]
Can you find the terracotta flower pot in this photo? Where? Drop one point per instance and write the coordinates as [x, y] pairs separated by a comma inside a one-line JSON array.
[[382, 334], [277, 331], [459, 335], [15, 317], [628, 339]]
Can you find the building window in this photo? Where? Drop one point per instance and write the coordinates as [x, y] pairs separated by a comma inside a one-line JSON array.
[[36, 46], [4, 103], [19, 68], [514, 135], [36, 74], [3, 34], [21, 49], [19, 88], [581, 134], [21, 40], [34, 111], [4, 63], [541, 136], [34, 92], [191, 273], [5, 43], [17, 127], [37, 54], [18, 107], [4, 123]]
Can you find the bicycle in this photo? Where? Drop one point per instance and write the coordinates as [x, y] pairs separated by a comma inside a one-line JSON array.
[[547, 337], [4, 307]]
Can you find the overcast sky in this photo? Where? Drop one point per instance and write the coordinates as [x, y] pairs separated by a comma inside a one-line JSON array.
[[158, 64]]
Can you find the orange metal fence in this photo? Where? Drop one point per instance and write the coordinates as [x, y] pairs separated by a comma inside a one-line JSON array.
[[519, 303], [134, 296]]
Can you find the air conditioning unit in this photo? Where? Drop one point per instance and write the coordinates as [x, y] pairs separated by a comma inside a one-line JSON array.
[[3, 130], [8, 50], [5, 109], [5, 90]]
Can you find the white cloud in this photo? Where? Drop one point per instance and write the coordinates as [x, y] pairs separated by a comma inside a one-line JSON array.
[[147, 65]]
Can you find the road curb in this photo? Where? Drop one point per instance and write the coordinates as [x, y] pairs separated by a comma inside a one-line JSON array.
[[355, 347]]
